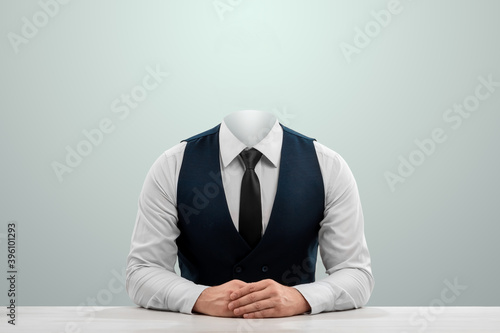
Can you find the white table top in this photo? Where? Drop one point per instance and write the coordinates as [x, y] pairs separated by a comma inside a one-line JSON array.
[[68, 319]]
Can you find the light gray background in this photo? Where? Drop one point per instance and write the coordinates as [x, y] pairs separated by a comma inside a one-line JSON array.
[[441, 224]]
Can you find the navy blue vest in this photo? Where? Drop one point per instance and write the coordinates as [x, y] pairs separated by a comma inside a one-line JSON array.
[[211, 250]]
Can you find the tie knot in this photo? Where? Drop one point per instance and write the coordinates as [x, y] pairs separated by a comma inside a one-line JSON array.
[[250, 157]]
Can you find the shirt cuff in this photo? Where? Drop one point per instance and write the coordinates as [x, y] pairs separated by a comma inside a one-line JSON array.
[[184, 296], [319, 295]]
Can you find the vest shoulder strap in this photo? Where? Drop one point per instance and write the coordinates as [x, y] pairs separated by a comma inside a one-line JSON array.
[[291, 131], [211, 131]]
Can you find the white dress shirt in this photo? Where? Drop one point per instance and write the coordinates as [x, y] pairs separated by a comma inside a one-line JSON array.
[[151, 279]]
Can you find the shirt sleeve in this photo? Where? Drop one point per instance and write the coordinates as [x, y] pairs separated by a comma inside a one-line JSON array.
[[151, 280], [342, 242]]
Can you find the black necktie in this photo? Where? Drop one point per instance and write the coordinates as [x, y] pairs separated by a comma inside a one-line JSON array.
[[250, 219]]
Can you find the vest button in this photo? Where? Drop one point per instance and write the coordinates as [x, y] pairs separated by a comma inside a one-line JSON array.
[[265, 268], [238, 269]]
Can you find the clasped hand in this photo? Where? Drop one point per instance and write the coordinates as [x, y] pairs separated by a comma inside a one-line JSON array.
[[265, 298]]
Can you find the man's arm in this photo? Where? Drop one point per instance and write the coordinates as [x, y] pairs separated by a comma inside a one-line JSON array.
[[151, 279], [342, 242], [343, 250]]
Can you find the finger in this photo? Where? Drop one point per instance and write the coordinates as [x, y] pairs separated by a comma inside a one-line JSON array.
[[254, 307], [248, 299], [267, 313], [236, 284], [249, 288]]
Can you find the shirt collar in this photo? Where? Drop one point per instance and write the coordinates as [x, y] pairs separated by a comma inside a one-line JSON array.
[[269, 146]]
